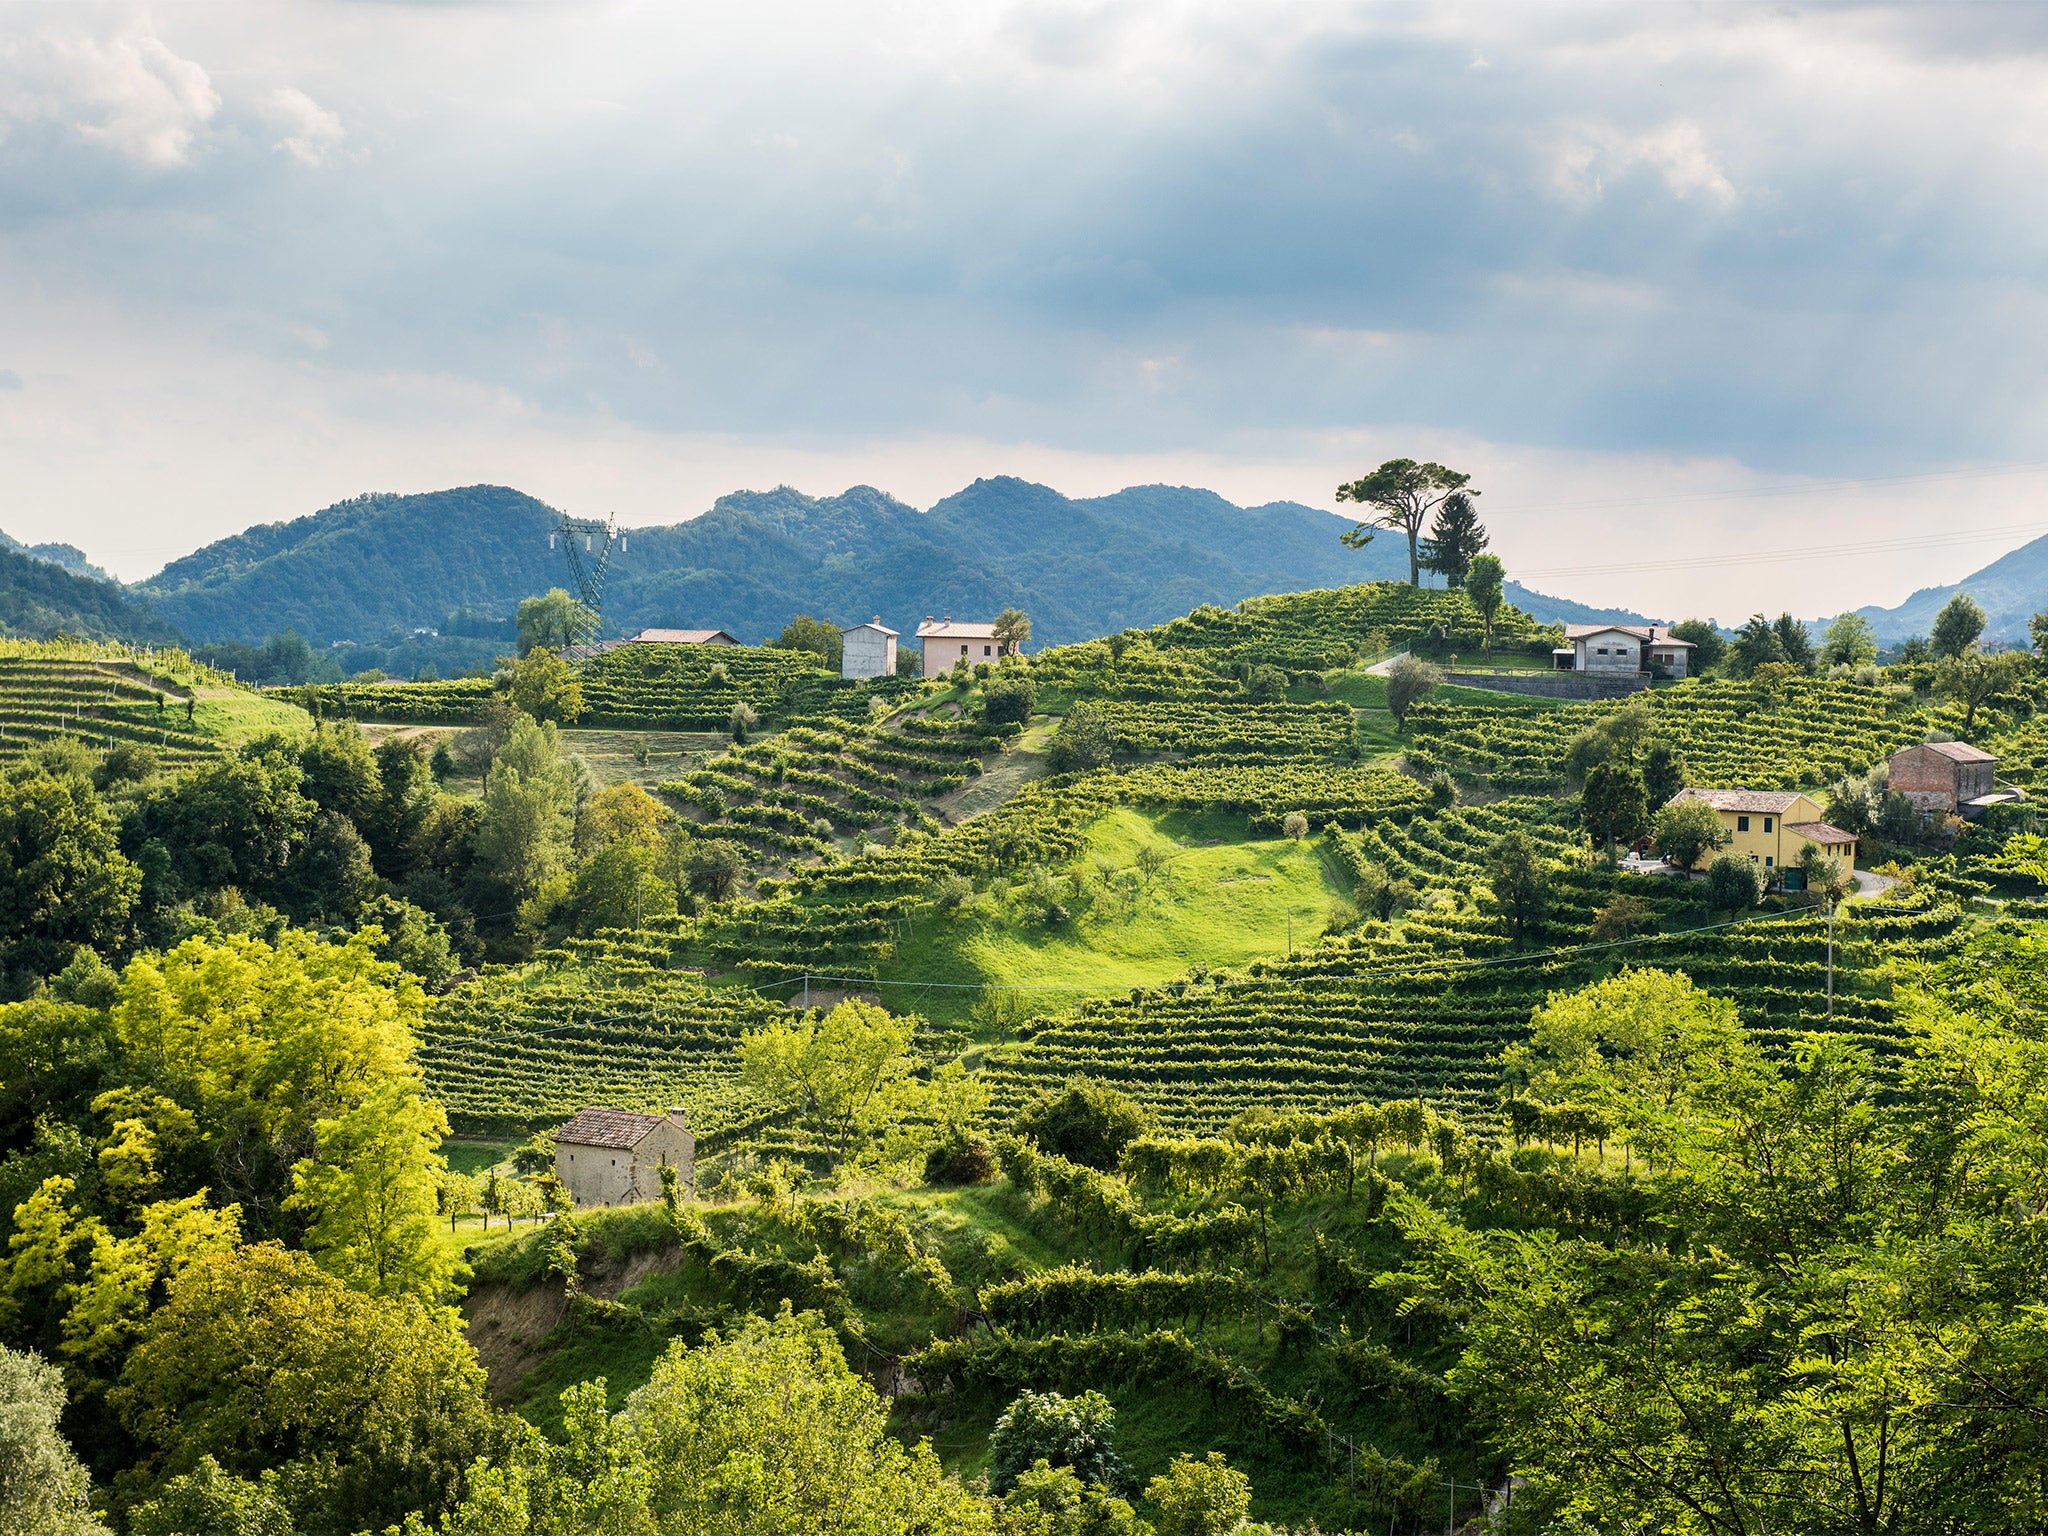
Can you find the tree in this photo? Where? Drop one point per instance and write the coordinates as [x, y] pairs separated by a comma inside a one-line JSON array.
[[1707, 645], [620, 886], [1519, 880], [1757, 644], [1794, 641], [63, 879], [1405, 493], [1621, 918], [740, 724], [374, 1406], [1850, 641], [210, 1502], [554, 620], [1008, 699], [1409, 680], [371, 1193], [1086, 1121], [529, 809], [1200, 1498], [1974, 679], [234, 821], [1485, 584], [1046, 1428], [1082, 741], [1293, 824], [621, 811], [1613, 807], [1664, 774], [713, 867], [837, 1072], [1688, 830], [42, 1485], [1455, 539], [804, 633], [1265, 684], [542, 686], [1012, 631], [1052, 1501], [1957, 627], [2037, 631], [1735, 882], [1824, 879]]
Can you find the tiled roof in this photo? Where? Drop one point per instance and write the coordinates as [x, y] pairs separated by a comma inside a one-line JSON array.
[[620, 1128], [1820, 832], [682, 637], [1768, 801], [874, 623], [1654, 634], [1961, 752], [955, 629]]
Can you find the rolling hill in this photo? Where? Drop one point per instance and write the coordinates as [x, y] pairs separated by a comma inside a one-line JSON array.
[[2011, 589], [40, 598], [1080, 567]]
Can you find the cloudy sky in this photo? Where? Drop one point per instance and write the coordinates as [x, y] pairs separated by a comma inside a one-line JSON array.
[[1727, 307]]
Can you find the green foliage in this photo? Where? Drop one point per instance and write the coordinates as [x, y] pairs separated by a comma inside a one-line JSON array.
[[1012, 630], [1518, 880], [1403, 494], [1200, 1498], [541, 685], [1008, 699], [845, 1073], [1086, 1121], [1041, 1428], [1735, 882], [1409, 681], [1957, 627], [370, 1193], [552, 622], [529, 809], [1850, 641], [822, 640], [210, 1502], [1687, 830], [42, 1486], [1756, 644], [1455, 540], [1052, 1501], [1707, 645], [63, 882], [1485, 585], [1614, 807], [1081, 742]]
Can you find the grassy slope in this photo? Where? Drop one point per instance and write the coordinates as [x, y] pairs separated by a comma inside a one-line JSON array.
[[1221, 900]]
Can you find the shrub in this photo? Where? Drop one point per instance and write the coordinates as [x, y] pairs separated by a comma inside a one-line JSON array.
[[1200, 1498], [1082, 741], [1735, 882], [1409, 681], [1077, 1432], [1685, 830], [1086, 1121], [1294, 825], [1009, 700], [1265, 684], [962, 1158], [1443, 790]]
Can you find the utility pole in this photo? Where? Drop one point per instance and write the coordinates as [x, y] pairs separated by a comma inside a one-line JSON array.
[[1831, 961]]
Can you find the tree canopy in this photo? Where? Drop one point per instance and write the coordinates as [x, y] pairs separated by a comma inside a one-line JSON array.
[[1404, 494]]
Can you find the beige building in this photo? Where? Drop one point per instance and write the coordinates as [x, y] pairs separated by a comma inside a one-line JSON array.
[[1947, 776], [1622, 648], [1773, 826], [948, 642], [683, 637], [615, 1157], [868, 650]]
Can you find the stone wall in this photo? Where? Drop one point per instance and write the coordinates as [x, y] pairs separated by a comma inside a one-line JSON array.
[[1555, 685]]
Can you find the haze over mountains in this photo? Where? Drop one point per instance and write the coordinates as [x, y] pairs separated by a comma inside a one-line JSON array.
[[359, 569]]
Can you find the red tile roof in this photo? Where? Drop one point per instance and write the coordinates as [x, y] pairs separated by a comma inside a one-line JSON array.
[[620, 1128], [1768, 801], [1820, 832]]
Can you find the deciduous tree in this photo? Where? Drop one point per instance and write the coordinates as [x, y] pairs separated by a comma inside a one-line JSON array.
[[837, 1072], [1957, 627], [1486, 585], [1404, 494], [554, 620], [1850, 641], [1410, 680]]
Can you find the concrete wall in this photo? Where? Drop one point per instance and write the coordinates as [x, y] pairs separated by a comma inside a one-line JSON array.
[[942, 654], [618, 1176], [1555, 685], [1624, 653], [867, 652]]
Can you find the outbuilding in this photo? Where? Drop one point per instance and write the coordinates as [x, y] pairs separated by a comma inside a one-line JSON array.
[[947, 642], [1946, 776], [868, 650], [615, 1156]]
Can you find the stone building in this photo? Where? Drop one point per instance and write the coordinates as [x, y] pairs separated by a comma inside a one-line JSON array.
[[615, 1156], [868, 650], [1945, 776]]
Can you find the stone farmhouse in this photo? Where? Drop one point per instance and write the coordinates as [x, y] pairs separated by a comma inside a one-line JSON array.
[[1948, 776], [868, 650], [615, 1157], [1621, 648], [948, 641], [1773, 826]]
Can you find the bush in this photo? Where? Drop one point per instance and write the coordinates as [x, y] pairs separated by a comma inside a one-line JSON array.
[[1735, 882], [962, 1158], [1200, 1498], [1077, 1432], [1082, 741], [1086, 1121], [1266, 685], [1409, 681], [1009, 700], [1294, 825], [1443, 790]]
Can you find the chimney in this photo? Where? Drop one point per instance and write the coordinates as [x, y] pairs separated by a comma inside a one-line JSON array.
[[680, 1116]]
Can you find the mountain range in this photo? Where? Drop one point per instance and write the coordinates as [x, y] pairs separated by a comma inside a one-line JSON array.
[[1079, 567], [2010, 590]]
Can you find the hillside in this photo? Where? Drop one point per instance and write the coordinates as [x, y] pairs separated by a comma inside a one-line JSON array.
[[1079, 567], [2011, 589], [39, 598], [69, 556]]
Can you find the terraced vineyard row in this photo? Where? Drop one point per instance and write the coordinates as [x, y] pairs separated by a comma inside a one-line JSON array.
[[102, 704], [1388, 1014], [1795, 735], [1230, 732], [604, 1021], [1303, 632], [1268, 793]]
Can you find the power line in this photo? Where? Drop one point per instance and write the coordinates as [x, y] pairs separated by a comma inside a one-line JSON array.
[[1807, 552], [1791, 488]]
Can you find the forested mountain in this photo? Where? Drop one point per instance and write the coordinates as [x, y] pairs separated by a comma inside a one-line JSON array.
[[70, 556], [1080, 567], [2011, 589], [39, 598]]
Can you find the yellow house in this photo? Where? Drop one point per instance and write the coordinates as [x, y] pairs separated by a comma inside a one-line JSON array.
[[1774, 826]]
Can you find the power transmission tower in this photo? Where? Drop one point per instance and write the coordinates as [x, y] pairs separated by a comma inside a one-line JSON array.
[[588, 562]]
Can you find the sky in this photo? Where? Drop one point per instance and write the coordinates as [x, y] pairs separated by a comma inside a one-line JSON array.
[[1724, 307]]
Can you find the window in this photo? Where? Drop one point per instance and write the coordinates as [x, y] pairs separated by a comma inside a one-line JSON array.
[[988, 650], [1767, 823], [1767, 861], [963, 650], [1742, 823]]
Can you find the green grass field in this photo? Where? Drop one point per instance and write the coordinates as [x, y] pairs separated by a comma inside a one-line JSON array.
[[1218, 899]]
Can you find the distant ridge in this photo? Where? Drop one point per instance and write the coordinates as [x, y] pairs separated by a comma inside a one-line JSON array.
[[40, 599], [2011, 589]]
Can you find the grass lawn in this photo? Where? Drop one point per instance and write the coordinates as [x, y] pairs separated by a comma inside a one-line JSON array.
[[1221, 899]]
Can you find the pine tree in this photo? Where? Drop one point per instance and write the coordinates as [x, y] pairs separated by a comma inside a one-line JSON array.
[[1454, 539]]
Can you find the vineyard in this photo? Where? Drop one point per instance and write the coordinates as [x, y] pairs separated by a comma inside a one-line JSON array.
[[107, 697], [1306, 632]]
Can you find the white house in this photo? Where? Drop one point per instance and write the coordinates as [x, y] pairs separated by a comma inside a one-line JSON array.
[[615, 1157], [1621, 648], [868, 650], [947, 642]]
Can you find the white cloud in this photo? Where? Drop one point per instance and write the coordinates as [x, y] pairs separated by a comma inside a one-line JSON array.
[[129, 93], [311, 132], [1591, 155]]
